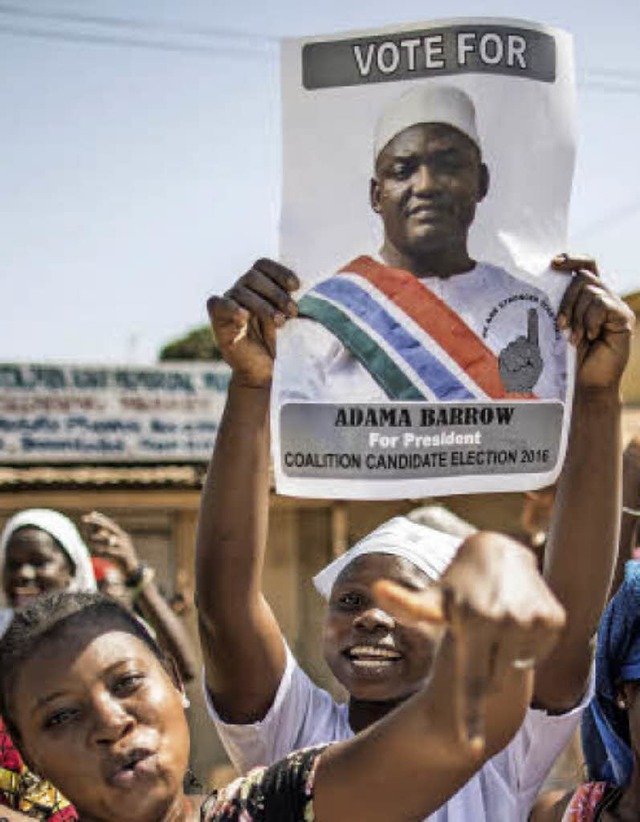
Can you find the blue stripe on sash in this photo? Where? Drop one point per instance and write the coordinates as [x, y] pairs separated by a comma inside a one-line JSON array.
[[434, 373]]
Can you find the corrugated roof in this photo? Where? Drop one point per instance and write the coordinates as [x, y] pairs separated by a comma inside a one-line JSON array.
[[91, 476]]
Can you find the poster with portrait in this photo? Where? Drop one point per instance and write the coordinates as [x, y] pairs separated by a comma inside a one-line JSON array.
[[427, 173]]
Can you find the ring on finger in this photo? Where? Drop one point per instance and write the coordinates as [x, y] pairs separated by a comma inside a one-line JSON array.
[[524, 664]]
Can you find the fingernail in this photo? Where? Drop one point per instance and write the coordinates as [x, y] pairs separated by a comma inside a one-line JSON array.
[[279, 319], [560, 258], [562, 322]]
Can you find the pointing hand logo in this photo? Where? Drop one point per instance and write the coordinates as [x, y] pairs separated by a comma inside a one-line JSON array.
[[520, 363]]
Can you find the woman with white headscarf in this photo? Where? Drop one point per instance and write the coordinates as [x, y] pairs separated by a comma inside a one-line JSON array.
[[40, 551]]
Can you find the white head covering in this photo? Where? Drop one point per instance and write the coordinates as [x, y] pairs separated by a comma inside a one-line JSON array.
[[429, 550], [425, 103], [65, 532]]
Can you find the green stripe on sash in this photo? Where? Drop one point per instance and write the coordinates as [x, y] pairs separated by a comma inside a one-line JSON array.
[[377, 362]]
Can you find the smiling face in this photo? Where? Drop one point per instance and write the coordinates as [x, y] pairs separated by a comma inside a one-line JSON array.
[[429, 179], [34, 565], [375, 658], [99, 716]]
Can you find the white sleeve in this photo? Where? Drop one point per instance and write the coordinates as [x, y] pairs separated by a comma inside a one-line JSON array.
[[302, 715]]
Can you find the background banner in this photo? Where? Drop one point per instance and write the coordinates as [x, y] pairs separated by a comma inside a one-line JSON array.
[[82, 413]]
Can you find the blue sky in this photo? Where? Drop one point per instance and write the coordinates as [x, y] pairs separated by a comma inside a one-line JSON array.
[[138, 179]]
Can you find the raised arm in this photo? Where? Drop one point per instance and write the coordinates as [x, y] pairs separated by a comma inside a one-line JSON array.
[[109, 540], [241, 640], [583, 537]]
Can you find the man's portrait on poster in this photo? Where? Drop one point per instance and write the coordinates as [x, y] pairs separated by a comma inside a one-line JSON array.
[[421, 319]]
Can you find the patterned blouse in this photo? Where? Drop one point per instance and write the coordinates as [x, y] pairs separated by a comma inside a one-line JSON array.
[[280, 793], [589, 800], [23, 791]]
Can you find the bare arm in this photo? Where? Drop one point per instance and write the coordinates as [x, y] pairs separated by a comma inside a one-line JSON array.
[[583, 537], [241, 640], [109, 540], [424, 751]]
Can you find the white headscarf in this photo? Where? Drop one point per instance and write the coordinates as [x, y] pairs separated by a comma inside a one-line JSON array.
[[429, 550], [64, 532]]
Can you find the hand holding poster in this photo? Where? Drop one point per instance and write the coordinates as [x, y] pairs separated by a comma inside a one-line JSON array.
[[436, 364]]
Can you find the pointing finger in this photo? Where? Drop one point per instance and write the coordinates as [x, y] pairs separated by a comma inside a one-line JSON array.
[[532, 327]]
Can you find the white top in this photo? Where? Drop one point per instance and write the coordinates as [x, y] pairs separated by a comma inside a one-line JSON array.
[[304, 715], [312, 364]]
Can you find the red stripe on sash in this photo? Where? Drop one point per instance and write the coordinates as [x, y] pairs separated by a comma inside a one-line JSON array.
[[439, 320]]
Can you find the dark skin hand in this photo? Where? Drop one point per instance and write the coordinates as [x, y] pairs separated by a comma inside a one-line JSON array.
[[107, 539], [246, 319], [526, 620]]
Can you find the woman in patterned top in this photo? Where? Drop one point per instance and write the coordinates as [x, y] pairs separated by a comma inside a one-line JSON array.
[[94, 706]]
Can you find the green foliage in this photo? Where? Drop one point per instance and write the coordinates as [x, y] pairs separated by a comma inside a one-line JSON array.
[[198, 344]]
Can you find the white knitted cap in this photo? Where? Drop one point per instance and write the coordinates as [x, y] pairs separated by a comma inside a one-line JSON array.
[[429, 550], [425, 103]]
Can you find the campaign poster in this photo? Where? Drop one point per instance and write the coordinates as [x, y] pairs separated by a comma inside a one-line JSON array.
[[427, 173]]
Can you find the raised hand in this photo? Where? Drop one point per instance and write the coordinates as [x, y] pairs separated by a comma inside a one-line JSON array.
[[245, 319], [500, 612], [107, 539], [600, 323], [520, 363]]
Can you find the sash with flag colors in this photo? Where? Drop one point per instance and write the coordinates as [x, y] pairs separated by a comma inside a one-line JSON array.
[[411, 342]]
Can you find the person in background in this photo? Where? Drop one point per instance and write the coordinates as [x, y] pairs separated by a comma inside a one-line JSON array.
[[612, 750], [41, 551], [94, 706], [132, 582]]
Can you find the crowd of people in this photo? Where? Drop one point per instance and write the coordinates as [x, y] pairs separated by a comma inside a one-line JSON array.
[[467, 661]]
